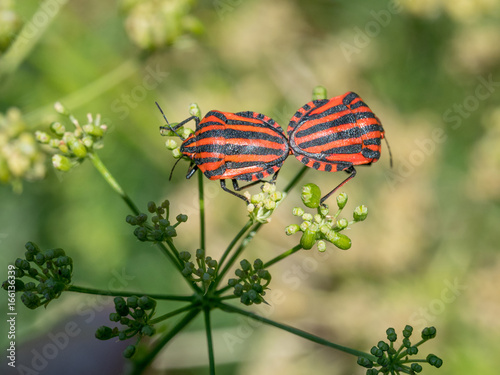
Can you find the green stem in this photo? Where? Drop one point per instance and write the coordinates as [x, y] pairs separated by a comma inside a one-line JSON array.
[[139, 368], [237, 253], [208, 328], [202, 210], [296, 179], [28, 37], [98, 164], [296, 331], [282, 256], [171, 314], [167, 297], [233, 242], [249, 237]]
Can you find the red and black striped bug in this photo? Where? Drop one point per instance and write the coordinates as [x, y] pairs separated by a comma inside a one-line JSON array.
[[335, 135], [246, 146]]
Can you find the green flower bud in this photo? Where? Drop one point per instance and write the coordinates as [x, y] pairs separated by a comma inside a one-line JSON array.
[[60, 108], [129, 351], [407, 331], [342, 200], [308, 239], [32, 247], [365, 362], [276, 196], [61, 163], [412, 350], [88, 142], [269, 204], [181, 218], [121, 306], [146, 303], [391, 334], [428, 333], [78, 148], [257, 198], [57, 128], [177, 154], [152, 207], [114, 317], [42, 137], [292, 229], [132, 302], [30, 300], [360, 213], [321, 246], [91, 129], [171, 144], [416, 367], [104, 333], [194, 110], [258, 264], [245, 265], [307, 217], [318, 218], [383, 361], [311, 195], [342, 224], [297, 211], [148, 331], [342, 241], [323, 210], [305, 225], [383, 346], [376, 351], [372, 371], [434, 360], [319, 92]]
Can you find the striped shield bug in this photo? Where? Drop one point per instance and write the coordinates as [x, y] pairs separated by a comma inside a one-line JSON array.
[[335, 135], [247, 146]]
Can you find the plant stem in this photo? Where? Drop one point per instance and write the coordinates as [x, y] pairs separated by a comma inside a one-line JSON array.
[[243, 245], [28, 37], [296, 331], [282, 256], [98, 164], [233, 242], [296, 179], [208, 328], [249, 237], [171, 314], [139, 368], [202, 210], [167, 297]]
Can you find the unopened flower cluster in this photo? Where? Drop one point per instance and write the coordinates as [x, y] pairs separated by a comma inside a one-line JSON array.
[[159, 229], [135, 313], [321, 227], [251, 283], [20, 156], [72, 146], [395, 361], [50, 271], [262, 205]]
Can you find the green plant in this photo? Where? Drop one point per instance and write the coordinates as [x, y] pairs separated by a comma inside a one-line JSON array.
[[43, 275]]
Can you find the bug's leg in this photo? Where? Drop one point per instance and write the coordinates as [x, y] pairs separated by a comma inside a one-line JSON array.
[[352, 172], [237, 187], [192, 169], [223, 186]]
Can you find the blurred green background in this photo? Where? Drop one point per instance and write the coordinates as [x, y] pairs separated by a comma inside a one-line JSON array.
[[426, 255]]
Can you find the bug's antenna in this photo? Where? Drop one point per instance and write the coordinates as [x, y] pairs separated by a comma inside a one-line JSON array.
[[165, 117], [172, 171], [389, 148]]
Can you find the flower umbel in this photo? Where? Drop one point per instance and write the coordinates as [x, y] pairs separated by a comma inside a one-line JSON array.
[[321, 227], [262, 205], [396, 361], [50, 271], [251, 283], [135, 313]]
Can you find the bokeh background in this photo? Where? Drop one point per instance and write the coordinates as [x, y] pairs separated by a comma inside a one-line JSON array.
[[426, 255]]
